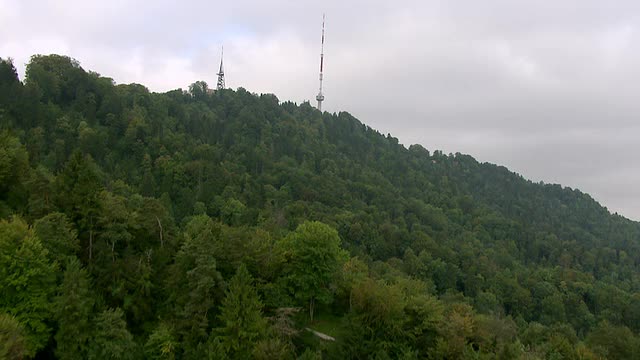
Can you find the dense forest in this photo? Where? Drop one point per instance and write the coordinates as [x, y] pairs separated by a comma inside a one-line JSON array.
[[198, 224]]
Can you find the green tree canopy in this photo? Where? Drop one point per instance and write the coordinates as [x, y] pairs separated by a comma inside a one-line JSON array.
[[27, 282], [111, 339], [12, 344], [58, 236], [161, 344], [195, 281], [73, 311], [313, 257], [241, 315]]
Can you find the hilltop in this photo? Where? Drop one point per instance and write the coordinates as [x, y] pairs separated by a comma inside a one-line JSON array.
[[190, 223]]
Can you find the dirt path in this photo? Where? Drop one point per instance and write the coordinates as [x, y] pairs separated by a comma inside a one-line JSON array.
[[321, 335]]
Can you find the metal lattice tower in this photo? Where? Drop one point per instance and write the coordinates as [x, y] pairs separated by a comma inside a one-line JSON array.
[[320, 96], [220, 74]]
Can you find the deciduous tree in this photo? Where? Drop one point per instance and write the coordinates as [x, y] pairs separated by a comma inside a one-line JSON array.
[[313, 259]]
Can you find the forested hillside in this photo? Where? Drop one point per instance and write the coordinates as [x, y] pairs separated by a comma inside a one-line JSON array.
[[197, 224]]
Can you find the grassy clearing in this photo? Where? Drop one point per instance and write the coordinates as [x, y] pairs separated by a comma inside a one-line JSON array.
[[330, 325]]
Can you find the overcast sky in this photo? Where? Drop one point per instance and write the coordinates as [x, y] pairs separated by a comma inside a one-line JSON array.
[[548, 88]]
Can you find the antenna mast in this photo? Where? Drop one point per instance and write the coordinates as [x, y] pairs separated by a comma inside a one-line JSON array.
[[320, 96], [220, 74]]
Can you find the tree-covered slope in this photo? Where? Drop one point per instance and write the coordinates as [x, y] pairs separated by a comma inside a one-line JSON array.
[[194, 224]]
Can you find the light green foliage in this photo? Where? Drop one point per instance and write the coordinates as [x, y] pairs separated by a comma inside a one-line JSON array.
[[423, 320], [494, 335], [215, 350], [353, 273], [381, 307], [272, 348], [59, 78], [253, 247], [386, 318], [161, 344], [309, 354], [232, 211], [614, 342], [111, 339], [376, 324], [313, 258], [12, 344], [27, 282], [456, 329]]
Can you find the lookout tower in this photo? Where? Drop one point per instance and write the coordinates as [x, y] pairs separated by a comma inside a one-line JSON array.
[[220, 73]]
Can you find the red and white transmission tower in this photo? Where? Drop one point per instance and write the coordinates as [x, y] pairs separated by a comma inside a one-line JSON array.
[[320, 96]]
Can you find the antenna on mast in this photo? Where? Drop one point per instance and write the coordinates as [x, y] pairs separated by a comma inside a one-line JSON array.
[[220, 74], [320, 96]]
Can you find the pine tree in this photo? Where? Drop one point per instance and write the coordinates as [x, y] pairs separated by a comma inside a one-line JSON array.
[[78, 189], [112, 340], [27, 282], [12, 344], [161, 344], [58, 236], [241, 315], [193, 284], [73, 305]]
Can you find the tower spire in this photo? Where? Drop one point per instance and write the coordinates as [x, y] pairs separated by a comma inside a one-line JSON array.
[[320, 96], [220, 74]]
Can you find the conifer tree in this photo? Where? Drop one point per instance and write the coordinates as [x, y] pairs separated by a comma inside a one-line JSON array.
[[161, 344], [194, 282], [78, 188], [58, 236], [73, 306], [241, 315], [111, 340], [12, 345], [27, 282]]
